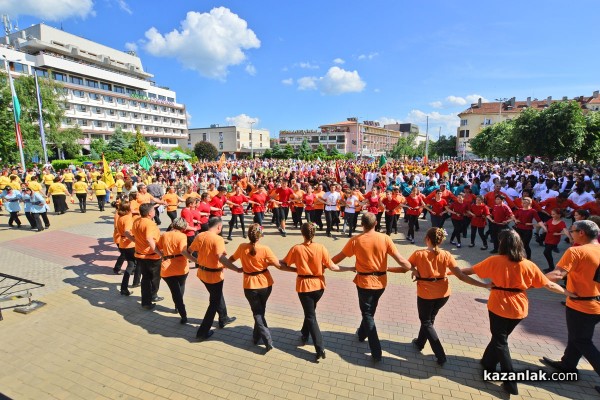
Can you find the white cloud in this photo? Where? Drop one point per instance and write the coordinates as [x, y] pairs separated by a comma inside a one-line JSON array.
[[188, 117], [448, 122], [124, 6], [376, 90], [339, 61], [307, 65], [242, 120], [457, 101], [307, 83], [336, 81], [369, 56], [131, 46], [288, 81], [208, 42], [436, 104], [251, 69], [51, 10]]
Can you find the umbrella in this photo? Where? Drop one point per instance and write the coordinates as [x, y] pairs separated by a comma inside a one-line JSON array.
[[160, 154], [178, 155]]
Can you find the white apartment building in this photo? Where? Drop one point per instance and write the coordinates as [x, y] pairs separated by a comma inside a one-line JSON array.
[[234, 140], [103, 87]]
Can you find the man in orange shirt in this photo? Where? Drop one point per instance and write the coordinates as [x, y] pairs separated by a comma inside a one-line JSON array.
[[147, 255], [371, 249], [583, 312], [211, 262]]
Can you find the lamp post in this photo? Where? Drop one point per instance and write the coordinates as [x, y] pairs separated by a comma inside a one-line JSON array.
[[251, 141]]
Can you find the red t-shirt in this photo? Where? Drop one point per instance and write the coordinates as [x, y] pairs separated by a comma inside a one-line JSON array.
[[438, 207], [551, 238], [480, 212], [390, 205], [284, 196], [309, 202], [237, 209], [187, 214], [414, 203], [460, 208], [217, 202], [525, 217], [501, 213], [204, 208], [373, 206], [260, 198]]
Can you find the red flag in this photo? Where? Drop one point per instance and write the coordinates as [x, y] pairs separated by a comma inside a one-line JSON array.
[[338, 178], [442, 168]]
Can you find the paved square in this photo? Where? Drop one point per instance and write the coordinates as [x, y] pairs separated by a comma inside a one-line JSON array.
[[89, 342]]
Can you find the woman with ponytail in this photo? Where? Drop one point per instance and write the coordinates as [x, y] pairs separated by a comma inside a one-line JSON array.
[[310, 259], [258, 283], [430, 268]]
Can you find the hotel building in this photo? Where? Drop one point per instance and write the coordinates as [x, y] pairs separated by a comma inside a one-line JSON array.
[[232, 140], [104, 88]]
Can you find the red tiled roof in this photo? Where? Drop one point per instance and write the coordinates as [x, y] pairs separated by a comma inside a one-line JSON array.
[[494, 107]]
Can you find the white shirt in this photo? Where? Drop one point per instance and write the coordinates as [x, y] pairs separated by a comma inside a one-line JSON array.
[[331, 200], [547, 194], [350, 202], [581, 199]]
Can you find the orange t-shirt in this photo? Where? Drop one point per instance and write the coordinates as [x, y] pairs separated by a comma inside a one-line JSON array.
[[318, 204], [581, 263], [173, 243], [210, 247], [193, 195], [309, 259], [125, 224], [401, 200], [371, 250], [510, 274], [212, 193], [135, 207], [259, 262], [144, 198], [298, 200], [142, 229], [274, 196], [172, 201], [116, 236], [431, 265]]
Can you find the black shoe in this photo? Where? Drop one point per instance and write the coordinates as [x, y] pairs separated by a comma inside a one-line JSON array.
[[269, 347], [229, 238], [472, 245], [556, 250], [358, 335], [255, 340], [415, 345], [556, 365], [458, 245], [135, 285], [510, 388], [203, 338], [375, 358], [441, 361], [226, 322], [157, 299], [319, 355], [149, 307], [244, 236], [126, 292], [564, 303], [117, 271], [47, 226], [484, 248], [183, 320], [283, 233]]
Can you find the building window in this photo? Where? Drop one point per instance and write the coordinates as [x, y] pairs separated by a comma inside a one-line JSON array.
[[131, 91], [154, 107], [98, 124], [151, 95], [76, 80], [111, 112], [78, 93], [136, 115], [42, 73], [146, 116], [83, 122], [487, 121], [220, 145], [204, 137], [96, 137], [332, 137], [237, 134], [221, 136], [162, 97], [155, 118], [463, 122], [81, 108], [165, 119], [123, 113], [133, 103], [92, 83], [105, 86], [120, 100], [171, 100], [143, 105], [59, 77], [111, 125], [172, 141], [463, 133], [98, 110], [119, 89], [108, 99], [95, 96]]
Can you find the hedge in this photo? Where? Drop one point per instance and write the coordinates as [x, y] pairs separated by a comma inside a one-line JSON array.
[[62, 164]]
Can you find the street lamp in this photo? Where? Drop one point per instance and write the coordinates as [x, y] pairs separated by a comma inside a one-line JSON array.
[[251, 142]]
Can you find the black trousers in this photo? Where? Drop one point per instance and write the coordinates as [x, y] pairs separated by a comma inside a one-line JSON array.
[[69, 186], [497, 351], [150, 270], [330, 219], [476, 230], [297, 215], [580, 328], [232, 222], [467, 222], [437, 221], [257, 298], [120, 261], [30, 219], [367, 301], [548, 249], [132, 268], [156, 217], [14, 217], [176, 285], [317, 217], [526, 235], [413, 221], [82, 198], [350, 219], [101, 200], [259, 217], [389, 223], [172, 215], [216, 305], [495, 230], [459, 227], [309, 215], [310, 326], [428, 309], [38, 220], [378, 219], [60, 203]]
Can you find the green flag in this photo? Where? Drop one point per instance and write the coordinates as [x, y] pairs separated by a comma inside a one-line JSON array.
[[382, 161], [145, 163]]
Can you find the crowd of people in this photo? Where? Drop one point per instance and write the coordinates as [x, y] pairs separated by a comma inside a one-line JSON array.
[[509, 204]]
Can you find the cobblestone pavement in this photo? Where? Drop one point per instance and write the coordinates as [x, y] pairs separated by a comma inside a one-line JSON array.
[[89, 342]]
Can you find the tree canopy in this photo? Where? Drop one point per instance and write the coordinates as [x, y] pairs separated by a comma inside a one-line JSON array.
[[206, 151]]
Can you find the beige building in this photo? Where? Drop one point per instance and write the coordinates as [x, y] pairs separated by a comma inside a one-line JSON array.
[[365, 138], [230, 139], [104, 88], [481, 115]]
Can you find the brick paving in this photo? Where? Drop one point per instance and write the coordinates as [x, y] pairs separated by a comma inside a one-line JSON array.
[[89, 342]]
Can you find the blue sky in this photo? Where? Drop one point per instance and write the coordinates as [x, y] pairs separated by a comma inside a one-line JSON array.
[[297, 65]]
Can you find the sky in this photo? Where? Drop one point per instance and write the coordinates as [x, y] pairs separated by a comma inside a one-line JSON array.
[[298, 65]]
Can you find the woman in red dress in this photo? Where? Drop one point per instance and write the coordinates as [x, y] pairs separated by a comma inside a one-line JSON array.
[[554, 229]]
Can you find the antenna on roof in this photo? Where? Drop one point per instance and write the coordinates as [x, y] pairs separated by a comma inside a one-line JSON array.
[[7, 24]]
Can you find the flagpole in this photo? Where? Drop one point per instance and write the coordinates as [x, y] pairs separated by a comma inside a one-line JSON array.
[[40, 119], [17, 127], [427, 140]]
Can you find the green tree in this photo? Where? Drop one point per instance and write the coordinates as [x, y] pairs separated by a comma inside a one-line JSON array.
[[119, 141], [497, 140], [97, 147], [590, 151], [350, 156], [288, 152], [444, 146], [139, 145], [320, 152], [206, 151], [66, 141], [333, 152], [304, 151], [404, 147], [268, 153]]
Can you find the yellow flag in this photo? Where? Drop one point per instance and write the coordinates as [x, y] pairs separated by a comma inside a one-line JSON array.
[[106, 174]]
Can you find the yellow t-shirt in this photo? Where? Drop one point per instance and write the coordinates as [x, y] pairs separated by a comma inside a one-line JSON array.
[[34, 186], [48, 179], [27, 178], [119, 184], [80, 187], [82, 175], [15, 185], [16, 176], [57, 188], [68, 177], [94, 175], [99, 188], [4, 180]]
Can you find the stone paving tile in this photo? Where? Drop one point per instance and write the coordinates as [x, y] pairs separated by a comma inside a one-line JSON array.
[[89, 342]]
